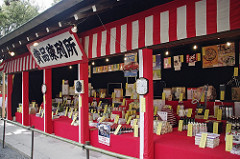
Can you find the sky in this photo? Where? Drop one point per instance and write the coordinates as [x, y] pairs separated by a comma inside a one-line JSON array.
[[43, 4]]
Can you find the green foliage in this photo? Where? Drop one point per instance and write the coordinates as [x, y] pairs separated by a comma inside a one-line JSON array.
[[15, 13]]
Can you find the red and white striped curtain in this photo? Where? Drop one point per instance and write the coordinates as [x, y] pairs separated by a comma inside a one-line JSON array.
[[21, 63], [173, 21]]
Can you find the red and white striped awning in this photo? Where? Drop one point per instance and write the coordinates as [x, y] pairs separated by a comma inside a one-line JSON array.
[[21, 63], [173, 21]]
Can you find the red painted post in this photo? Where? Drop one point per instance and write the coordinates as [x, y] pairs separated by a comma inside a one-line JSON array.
[[9, 96], [48, 126], [25, 98]]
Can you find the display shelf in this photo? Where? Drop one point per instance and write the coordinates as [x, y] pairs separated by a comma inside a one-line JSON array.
[[37, 122]]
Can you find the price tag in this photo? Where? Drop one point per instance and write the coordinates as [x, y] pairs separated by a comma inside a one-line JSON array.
[[113, 105], [169, 60], [155, 110], [56, 111], [95, 94], [52, 115], [102, 119], [44, 100], [189, 114], [80, 101], [219, 116], [72, 102], [198, 57], [181, 97], [202, 98], [178, 107], [114, 96], [180, 125], [200, 110], [126, 116], [215, 127], [159, 128], [126, 85], [129, 120], [117, 130], [216, 112], [135, 130], [66, 111], [203, 140], [60, 94], [228, 128], [99, 104], [134, 122], [229, 143], [74, 119], [105, 109], [71, 113], [235, 71], [206, 114], [163, 96], [116, 119], [154, 58], [91, 110], [222, 95], [189, 132], [182, 58], [124, 100], [143, 104], [75, 110], [42, 114]]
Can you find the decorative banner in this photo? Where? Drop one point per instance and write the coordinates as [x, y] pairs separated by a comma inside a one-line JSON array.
[[167, 62], [157, 67], [130, 65], [218, 55], [59, 49], [104, 134], [177, 63]]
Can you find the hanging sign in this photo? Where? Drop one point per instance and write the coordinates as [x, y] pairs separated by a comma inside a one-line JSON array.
[[58, 49]]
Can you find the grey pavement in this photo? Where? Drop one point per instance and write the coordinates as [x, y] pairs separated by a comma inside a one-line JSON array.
[[19, 140]]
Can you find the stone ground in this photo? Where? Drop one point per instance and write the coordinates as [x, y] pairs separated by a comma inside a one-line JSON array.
[[18, 146], [11, 153]]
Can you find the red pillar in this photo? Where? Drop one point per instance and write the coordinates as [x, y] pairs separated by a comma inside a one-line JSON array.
[[47, 75], [146, 118], [9, 97], [83, 107], [25, 98]]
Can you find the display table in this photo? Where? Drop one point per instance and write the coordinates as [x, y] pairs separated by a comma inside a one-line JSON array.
[[124, 144], [178, 145], [37, 122], [63, 128], [18, 117]]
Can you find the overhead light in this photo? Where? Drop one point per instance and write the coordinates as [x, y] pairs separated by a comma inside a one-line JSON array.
[[218, 38], [28, 39], [74, 29], [35, 44], [2, 50], [93, 63], [70, 67], [20, 42], [94, 8], [195, 47], [107, 59], [13, 45], [36, 34], [167, 53], [75, 16], [125, 58], [228, 43], [12, 53], [7, 48], [47, 29], [59, 24]]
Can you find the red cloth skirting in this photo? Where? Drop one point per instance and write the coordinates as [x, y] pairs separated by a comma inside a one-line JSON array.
[[124, 144], [37, 122], [18, 117], [63, 128]]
